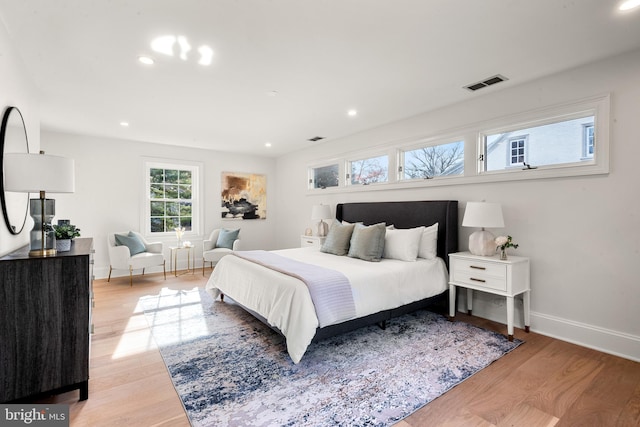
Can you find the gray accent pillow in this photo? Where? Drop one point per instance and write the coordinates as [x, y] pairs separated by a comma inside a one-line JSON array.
[[337, 241], [367, 242], [226, 238], [131, 241]]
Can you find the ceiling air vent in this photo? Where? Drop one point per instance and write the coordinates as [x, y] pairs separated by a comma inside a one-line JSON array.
[[487, 82], [316, 138]]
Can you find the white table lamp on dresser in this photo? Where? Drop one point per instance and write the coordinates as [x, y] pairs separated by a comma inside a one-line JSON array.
[[482, 214]]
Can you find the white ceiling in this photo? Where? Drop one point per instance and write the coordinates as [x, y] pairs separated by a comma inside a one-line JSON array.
[[389, 59]]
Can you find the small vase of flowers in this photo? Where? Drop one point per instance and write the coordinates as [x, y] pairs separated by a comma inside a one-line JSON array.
[[504, 242], [65, 233]]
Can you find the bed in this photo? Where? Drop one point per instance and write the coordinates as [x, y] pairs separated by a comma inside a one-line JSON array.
[[380, 290]]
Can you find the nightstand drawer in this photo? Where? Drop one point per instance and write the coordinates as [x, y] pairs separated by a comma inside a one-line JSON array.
[[316, 241], [479, 268], [473, 278], [478, 273]]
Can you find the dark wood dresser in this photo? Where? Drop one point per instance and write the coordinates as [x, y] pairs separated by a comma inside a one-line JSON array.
[[45, 322]]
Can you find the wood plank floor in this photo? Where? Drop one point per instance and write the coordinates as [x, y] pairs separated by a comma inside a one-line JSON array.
[[544, 382]]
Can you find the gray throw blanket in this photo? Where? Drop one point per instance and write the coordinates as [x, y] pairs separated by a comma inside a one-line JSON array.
[[330, 290]]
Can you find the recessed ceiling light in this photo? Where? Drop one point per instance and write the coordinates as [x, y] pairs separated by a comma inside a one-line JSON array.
[[629, 4], [267, 144], [146, 60], [124, 124], [352, 113]]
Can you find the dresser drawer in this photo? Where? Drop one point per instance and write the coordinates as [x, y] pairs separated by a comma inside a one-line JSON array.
[[485, 274]]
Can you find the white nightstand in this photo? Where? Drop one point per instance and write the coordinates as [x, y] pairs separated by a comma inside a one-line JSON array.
[[490, 274], [316, 241]]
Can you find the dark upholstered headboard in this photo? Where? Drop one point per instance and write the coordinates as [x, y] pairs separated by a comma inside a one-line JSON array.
[[409, 215]]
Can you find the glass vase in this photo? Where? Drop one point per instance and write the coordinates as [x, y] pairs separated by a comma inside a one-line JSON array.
[[503, 254]]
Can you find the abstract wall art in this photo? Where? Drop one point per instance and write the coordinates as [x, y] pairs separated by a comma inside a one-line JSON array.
[[244, 196]]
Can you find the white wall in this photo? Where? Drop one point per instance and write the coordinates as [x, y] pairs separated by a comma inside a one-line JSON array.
[[17, 90], [109, 190], [582, 234]]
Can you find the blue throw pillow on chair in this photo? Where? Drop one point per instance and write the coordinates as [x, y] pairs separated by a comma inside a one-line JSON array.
[[226, 238], [131, 241]]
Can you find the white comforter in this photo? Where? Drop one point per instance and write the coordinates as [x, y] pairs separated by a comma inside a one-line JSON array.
[[285, 301]]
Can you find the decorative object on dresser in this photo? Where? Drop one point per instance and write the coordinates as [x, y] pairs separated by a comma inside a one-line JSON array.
[[482, 214], [507, 278], [45, 322], [13, 139], [65, 233], [320, 213], [130, 251], [40, 173], [221, 242]]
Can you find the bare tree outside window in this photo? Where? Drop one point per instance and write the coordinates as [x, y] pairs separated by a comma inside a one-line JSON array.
[[437, 160]]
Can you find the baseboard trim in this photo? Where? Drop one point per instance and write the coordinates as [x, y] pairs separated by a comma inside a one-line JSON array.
[[605, 340]]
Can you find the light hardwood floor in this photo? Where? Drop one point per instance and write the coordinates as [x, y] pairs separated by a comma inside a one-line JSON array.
[[544, 382]]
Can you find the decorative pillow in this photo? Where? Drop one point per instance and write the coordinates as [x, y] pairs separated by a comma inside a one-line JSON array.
[[367, 242], [402, 244], [337, 241], [429, 242], [131, 241], [226, 238]]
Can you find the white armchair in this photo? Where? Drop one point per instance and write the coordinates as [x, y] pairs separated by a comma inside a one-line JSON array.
[[212, 254], [120, 257]]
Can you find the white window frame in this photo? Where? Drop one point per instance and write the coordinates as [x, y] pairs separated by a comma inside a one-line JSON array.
[[588, 141], [525, 147], [196, 169], [473, 136]]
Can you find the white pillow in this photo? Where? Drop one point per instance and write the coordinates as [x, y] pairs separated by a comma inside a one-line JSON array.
[[402, 244], [429, 242]]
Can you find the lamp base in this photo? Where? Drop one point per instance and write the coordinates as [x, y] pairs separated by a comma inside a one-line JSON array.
[[482, 242], [323, 228], [43, 252], [42, 236]]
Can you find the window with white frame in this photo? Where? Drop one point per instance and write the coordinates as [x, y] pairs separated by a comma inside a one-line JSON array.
[[550, 142], [172, 197], [587, 140], [368, 170], [570, 139], [517, 149], [431, 161], [324, 176]]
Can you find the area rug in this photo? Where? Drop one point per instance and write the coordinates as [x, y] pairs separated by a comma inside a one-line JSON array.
[[231, 370]]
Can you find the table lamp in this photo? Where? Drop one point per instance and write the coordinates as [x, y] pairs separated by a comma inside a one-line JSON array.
[[482, 214], [40, 173], [320, 212]]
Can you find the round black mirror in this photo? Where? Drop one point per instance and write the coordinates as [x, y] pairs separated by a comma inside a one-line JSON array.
[[13, 139]]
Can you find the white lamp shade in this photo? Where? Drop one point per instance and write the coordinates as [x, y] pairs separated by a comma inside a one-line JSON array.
[[483, 214], [320, 212], [32, 173]]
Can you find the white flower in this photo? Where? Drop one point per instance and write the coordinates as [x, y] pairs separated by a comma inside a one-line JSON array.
[[501, 240]]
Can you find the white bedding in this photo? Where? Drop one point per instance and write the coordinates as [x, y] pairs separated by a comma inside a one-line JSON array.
[[285, 301]]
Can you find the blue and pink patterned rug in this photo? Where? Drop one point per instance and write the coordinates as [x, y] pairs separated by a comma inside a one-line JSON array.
[[231, 370]]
